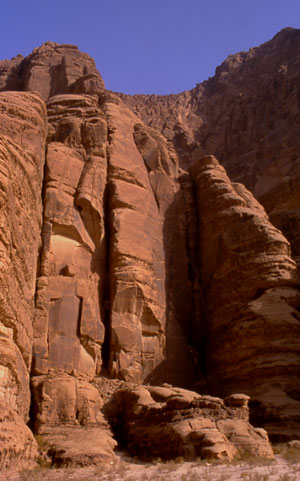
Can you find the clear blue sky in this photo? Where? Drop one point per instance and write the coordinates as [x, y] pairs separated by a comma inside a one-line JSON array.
[[146, 46]]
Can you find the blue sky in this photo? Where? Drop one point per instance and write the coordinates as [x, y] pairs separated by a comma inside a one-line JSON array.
[[146, 46]]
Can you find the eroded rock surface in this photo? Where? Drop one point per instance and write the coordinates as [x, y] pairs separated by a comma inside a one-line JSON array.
[[68, 419], [250, 297], [141, 271], [22, 156], [247, 114], [68, 326], [50, 70], [142, 188], [165, 422]]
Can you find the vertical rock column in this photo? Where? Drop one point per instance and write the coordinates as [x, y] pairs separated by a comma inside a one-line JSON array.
[[22, 155], [137, 270], [150, 292], [68, 327], [68, 330], [250, 300], [162, 167]]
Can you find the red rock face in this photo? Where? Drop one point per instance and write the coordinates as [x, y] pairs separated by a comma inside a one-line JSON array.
[[143, 271], [50, 70], [247, 115], [22, 156], [250, 297], [170, 422]]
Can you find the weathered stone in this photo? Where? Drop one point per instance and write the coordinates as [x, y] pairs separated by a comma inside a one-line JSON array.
[[68, 417], [18, 448], [22, 148], [141, 191], [148, 273], [68, 329], [250, 298], [50, 70], [197, 426], [247, 114]]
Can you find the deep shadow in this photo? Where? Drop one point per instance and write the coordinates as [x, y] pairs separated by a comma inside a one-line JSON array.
[[182, 295]]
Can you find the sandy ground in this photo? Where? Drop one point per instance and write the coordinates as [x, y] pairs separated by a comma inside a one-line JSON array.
[[124, 469]]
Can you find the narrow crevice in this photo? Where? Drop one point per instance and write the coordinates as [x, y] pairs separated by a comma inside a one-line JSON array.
[[79, 318], [33, 409], [105, 303], [197, 340], [32, 412], [41, 248], [106, 292]]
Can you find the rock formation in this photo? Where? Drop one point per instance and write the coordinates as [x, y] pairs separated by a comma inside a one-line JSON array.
[[164, 422], [249, 287], [117, 262], [247, 115], [50, 70], [22, 157]]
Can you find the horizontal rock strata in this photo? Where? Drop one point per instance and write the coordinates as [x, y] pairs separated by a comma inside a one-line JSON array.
[[165, 422], [250, 298], [116, 262]]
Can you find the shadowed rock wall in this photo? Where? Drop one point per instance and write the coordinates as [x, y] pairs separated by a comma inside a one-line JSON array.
[[250, 299]]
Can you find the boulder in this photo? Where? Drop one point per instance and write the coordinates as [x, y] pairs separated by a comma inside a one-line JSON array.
[[166, 422]]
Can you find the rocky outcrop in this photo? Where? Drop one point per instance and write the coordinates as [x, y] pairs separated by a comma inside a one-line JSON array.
[[22, 155], [247, 115], [141, 271], [250, 297], [165, 422], [68, 326], [50, 70], [142, 186], [101, 288], [69, 421]]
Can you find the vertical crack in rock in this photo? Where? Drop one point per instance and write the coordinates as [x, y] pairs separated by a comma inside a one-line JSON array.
[[136, 268], [134, 278], [162, 168], [197, 335], [106, 294], [68, 325]]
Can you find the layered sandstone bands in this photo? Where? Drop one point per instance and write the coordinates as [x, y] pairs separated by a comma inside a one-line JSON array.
[[165, 422], [138, 270], [250, 297]]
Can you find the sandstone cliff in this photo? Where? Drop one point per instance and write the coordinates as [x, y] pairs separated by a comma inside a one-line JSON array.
[[117, 262], [22, 157]]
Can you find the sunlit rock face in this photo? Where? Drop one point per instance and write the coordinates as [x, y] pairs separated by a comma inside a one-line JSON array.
[[50, 70], [143, 195], [169, 422], [69, 330], [117, 262], [22, 155]]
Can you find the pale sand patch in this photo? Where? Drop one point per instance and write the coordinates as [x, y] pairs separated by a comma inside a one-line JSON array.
[[125, 469]]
